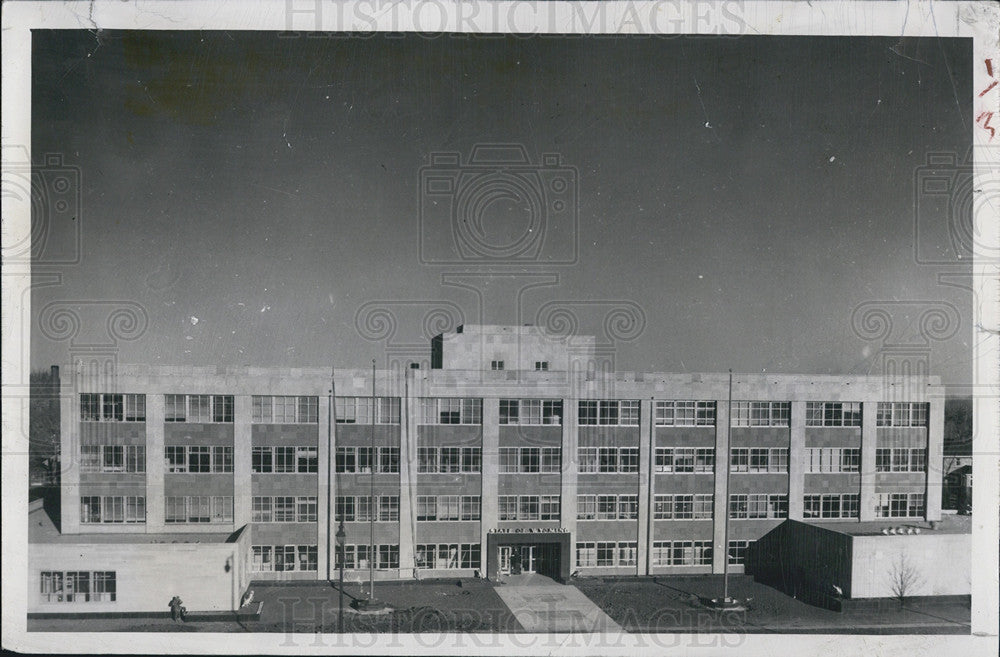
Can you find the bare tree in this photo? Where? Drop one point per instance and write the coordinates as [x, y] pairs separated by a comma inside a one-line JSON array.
[[904, 578]]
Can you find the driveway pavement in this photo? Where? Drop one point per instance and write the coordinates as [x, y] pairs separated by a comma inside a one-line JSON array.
[[542, 605]]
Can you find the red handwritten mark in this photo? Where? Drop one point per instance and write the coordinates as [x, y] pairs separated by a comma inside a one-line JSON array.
[[989, 71], [986, 124]]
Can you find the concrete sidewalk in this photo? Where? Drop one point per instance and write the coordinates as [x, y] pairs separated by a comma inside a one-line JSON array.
[[542, 605]]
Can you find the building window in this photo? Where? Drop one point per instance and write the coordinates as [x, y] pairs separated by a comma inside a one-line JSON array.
[[685, 459], [531, 412], [683, 507], [682, 553], [496, 365], [608, 460], [760, 414], [835, 505], [899, 505], [432, 460], [447, 556], [451, 410], [541, 366], [759, 459], [270, 409], [359, 410], [360, 460], [529, 507], [607, 507], [284, 509], [833, 414], [738, 551], [126, 509], [833, 459], [283, 558], [198, 509], [113, 458], [607, 554], [359, 508], [108, 407], [586, 555], [614, 412], [901, 414], [198, 408], [680, 413], [78, 586], [899, 459], [198, 458], [529, 460], [758, 505]]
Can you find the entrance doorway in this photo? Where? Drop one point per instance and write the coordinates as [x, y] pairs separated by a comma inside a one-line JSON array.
[[540, 558]]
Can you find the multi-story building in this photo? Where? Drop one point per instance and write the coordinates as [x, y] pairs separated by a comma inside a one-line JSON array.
[[516, 451]]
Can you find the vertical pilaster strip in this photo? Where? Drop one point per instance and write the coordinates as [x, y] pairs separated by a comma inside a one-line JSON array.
[[325, 530], [721, 499], [491, 475], [645, 484], [242, 459], [570, 469], [935, 453], [407, 475], [69, 451], [155, 466], [797, 460], [869, 442]]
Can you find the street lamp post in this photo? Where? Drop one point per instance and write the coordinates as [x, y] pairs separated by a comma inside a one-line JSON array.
[[341, 538]]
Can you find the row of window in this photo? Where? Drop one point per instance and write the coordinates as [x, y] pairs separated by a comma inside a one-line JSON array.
[[447, 555], [684, 459], [606, 554], [530, 459], [113, 458], [198, 509], [900, 460], [607, 507], [95, 509], [833, 459], [283, 508], [683, 507], [607, 459], [758, 459], [287, 409], [283, 558], [682, 553], [106, 407], [447, 507], [284, 409], [610, 412], [432, 460], [529, 507], [219, 509], [198, 408], [284, 460], [360, 508], [531, 411], [365, 460], [78, 586], [899, 505], [355, 557], [833, 505], [199, 458]]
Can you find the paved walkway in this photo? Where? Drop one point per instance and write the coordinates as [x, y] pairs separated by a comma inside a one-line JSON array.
[[542, 605]]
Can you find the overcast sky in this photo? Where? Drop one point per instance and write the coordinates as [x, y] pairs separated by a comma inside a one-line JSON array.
[[251, 192]]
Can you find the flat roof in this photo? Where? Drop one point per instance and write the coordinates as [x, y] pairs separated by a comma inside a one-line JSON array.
[[41, 529], [950, 523]]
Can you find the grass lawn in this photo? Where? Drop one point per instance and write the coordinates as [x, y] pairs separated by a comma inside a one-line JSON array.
[[670, 604]]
